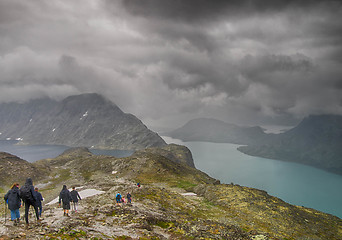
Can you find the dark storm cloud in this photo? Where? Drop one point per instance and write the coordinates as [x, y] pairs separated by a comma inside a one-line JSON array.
[[170, 61], [203, 10]]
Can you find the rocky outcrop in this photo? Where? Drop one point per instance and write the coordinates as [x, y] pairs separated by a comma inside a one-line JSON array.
[[87, 120], [174, 152]]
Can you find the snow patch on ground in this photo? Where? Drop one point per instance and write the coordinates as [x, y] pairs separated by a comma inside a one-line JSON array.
[[84, 115], [189, 194], [84, 194]]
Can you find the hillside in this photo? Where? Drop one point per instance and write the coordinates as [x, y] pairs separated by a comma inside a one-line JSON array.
[[163, 207], [14, 169], [84, 120], [316, 141], [213, 130]]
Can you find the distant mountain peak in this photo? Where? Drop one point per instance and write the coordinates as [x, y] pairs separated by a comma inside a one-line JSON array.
[[85, 120]]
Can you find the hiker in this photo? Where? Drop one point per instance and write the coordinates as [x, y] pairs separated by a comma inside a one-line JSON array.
[[75, 196], [12, 198], [28, 195], [138, 184], [65, 197], [118, 199], [39, 201], [129, 198]]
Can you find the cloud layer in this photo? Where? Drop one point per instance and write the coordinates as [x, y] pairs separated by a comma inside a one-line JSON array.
[[170, 61]]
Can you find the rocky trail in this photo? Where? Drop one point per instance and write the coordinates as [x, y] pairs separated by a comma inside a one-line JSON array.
[[99, 217]]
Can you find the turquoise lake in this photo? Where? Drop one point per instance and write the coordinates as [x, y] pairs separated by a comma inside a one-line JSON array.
[[294, 183]]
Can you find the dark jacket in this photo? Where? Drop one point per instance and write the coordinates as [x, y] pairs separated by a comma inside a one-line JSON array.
[[13, 198], [32, 196], [39, 199], [64, 196], [75, 196]]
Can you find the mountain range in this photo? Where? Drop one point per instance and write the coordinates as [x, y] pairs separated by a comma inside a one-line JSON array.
[[316, 140], [88, 120]]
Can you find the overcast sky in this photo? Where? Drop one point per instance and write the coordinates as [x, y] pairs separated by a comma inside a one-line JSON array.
[[168, 61]]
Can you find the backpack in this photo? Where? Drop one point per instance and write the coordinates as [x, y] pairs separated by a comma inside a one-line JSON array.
[[25, 192], [118, 196]]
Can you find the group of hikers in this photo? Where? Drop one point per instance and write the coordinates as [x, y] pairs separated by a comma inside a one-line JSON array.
[[120, 199], [65, 196], [30, 196]]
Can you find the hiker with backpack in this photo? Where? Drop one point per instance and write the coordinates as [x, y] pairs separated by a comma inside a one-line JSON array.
[[118, 199], [65, 197], [75, 196], [29, 197], [39, 201], [129, 198], [13, 200]]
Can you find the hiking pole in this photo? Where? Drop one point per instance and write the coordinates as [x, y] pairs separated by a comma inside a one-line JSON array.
[[5, 212]]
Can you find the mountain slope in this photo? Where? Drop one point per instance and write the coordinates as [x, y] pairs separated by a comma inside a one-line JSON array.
[[14, 169], [316, 141], [212, 130], [82, 120], [161, 209]]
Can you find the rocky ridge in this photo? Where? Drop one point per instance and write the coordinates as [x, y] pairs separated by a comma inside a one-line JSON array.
[[83, 120], [162, 207]]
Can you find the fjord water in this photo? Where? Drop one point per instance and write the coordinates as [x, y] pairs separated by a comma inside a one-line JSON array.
[[294, 183], [33, 153]]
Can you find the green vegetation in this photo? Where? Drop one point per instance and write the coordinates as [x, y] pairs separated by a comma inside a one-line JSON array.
[[184, 184], [86, 175]]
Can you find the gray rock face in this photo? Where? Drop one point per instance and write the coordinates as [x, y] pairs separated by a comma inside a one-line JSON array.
[[83, 120]]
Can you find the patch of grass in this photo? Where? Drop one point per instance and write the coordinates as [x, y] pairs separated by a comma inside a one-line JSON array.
[[185, 184], [164, 224], [77, 233], [64, 174], [87, 175], [123, 238]]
